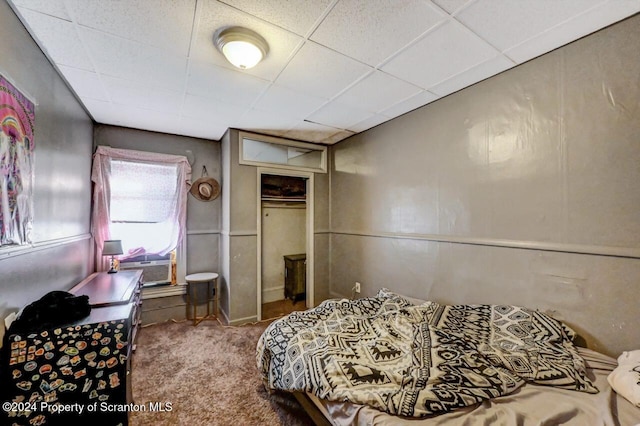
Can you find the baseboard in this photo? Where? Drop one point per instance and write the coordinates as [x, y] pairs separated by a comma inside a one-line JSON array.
[[244, 320], [272, 294], [224, 318], [163, 314]]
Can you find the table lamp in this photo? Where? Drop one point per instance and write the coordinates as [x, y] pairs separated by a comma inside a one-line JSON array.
[[112, 248]]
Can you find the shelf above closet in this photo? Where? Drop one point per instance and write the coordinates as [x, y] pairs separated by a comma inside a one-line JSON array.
[[285, 199]]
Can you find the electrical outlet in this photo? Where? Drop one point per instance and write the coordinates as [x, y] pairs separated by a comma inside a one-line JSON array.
[[357, 287]]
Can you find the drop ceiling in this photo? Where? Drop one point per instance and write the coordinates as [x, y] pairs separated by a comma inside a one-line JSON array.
[[335, 67]]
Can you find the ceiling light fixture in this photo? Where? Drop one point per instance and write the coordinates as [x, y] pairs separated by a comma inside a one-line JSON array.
[[241, 46]]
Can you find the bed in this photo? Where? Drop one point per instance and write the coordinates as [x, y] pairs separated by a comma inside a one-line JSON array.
[[391, 360]]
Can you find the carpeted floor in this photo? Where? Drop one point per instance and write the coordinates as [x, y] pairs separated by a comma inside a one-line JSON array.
[[208, 374]]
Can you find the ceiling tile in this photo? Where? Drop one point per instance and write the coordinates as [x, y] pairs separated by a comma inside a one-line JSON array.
[[157, 67], [198, 128], [267, 122], [338, 115], [507, 23], [63, 44], [312, 132], [289, 102], [473, 75], [452, 6], [211, 109], [409, 104], [48, 7], [101, 111], [139, 118], [166, 24], [377, 91], [318, 71], [135, 118], [590, 21], [154, 98], [86, 84], [443, 53], [130, 60], [341, 135], [368, 123], [223, 84], [353, 27], [213, 15], [298, 16]]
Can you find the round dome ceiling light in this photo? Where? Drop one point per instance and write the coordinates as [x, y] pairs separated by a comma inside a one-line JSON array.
[[241, 46]]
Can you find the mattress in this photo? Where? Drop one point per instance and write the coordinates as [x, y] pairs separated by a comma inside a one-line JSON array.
[[529, 405]]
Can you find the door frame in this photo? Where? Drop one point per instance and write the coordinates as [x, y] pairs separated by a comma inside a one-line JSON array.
[[310, 231]]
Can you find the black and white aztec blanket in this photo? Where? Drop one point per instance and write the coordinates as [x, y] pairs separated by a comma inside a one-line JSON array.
[[417, 361]]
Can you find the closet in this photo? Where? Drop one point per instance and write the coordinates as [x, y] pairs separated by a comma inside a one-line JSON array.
[[284, 242]]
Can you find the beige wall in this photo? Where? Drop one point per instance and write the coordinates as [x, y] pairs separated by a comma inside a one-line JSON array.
[[283, 233], [203, 218], [61, 255], [522, 189], [240, 235], [322, 258]]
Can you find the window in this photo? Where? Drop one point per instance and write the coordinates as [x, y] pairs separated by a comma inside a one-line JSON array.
[[142, 195], [258, 150], [140, 198]]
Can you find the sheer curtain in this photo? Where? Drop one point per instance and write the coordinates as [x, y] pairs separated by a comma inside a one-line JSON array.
[[140, 198]]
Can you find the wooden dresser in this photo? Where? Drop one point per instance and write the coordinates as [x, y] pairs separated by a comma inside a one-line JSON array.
[[84, 364], [112, 291], [115, 297]]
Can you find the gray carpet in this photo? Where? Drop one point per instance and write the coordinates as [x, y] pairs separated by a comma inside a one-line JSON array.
[[209, 376]]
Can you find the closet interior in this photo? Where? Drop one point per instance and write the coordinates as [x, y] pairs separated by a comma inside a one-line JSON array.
[[284, 210]]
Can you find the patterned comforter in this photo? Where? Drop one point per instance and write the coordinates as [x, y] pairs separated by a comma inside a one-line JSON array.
[[420, 360]]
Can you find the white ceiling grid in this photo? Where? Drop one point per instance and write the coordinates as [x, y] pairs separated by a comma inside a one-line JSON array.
[[335, 67]]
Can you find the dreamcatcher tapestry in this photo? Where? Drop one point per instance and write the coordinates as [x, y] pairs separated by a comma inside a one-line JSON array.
[[17, 116]]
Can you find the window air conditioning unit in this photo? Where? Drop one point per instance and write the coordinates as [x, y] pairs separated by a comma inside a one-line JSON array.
[[154, 271]]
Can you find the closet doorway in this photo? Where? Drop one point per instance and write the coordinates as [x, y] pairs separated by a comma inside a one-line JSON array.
[[285, 242]]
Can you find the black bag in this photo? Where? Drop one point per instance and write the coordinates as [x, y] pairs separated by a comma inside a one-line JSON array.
[[54, 309]]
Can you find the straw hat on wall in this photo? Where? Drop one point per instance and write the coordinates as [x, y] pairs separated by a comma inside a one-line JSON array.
[[205, 188]]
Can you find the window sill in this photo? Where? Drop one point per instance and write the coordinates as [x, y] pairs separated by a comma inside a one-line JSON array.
[[166, 290]]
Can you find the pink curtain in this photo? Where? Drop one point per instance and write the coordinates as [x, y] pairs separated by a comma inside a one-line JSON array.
[[100, 175]]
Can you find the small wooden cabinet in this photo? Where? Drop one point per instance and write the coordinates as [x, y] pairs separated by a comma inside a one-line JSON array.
[[84, 363], [295, 276]]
